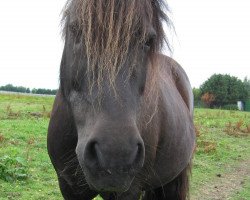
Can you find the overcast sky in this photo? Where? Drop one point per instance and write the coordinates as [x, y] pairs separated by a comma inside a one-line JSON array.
[[212, 36]]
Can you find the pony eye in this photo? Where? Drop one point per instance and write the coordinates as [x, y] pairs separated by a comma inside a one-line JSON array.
[[73, 28], [149, 42], [75, 32]]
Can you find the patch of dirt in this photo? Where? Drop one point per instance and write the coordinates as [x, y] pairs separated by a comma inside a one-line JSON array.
[[224, 185]]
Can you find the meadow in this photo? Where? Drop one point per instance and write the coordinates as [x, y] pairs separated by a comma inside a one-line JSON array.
[[220, 165]]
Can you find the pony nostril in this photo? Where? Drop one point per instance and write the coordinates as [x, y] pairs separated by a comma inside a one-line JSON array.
[[93, 155], [137, 156], [90, 155], [99, 156], [140, 154], [139, 149]]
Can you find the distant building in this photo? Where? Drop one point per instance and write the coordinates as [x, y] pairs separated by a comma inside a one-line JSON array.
[[240, 105]]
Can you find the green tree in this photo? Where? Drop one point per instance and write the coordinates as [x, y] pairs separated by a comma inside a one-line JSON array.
[[27, 90], [11, 88], [43, 91], [34, 91], [225, 88], [247, 86], [197, 96], [7, 87]]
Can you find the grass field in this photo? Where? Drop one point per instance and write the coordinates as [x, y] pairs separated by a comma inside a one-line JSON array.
[[220, 165]]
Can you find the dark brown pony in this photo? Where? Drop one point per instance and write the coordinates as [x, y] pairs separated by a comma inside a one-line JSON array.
[[122, 121]]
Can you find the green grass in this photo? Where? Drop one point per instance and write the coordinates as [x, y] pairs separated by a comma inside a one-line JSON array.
[[220, 147], [222, 144], [244, 193], [23, 130]]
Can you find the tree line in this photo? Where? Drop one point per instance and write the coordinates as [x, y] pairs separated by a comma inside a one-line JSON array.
[[11, 88], [222, 90]]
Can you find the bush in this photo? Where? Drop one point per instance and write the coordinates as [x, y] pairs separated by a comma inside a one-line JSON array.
[[208, 99], [12, 169], [230, 107]]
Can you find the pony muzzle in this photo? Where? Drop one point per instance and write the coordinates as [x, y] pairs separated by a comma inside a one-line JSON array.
[[111, 164]]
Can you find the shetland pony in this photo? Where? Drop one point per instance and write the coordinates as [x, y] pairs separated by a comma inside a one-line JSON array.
[[122, 121]]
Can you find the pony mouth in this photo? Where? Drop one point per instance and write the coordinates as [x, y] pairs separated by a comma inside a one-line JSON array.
[[109, 187], [109, 180]]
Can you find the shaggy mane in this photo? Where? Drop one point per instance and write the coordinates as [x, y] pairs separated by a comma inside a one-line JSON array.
[[107, 29]]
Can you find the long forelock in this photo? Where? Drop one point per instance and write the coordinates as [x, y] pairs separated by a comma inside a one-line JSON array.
[[109, 27]]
